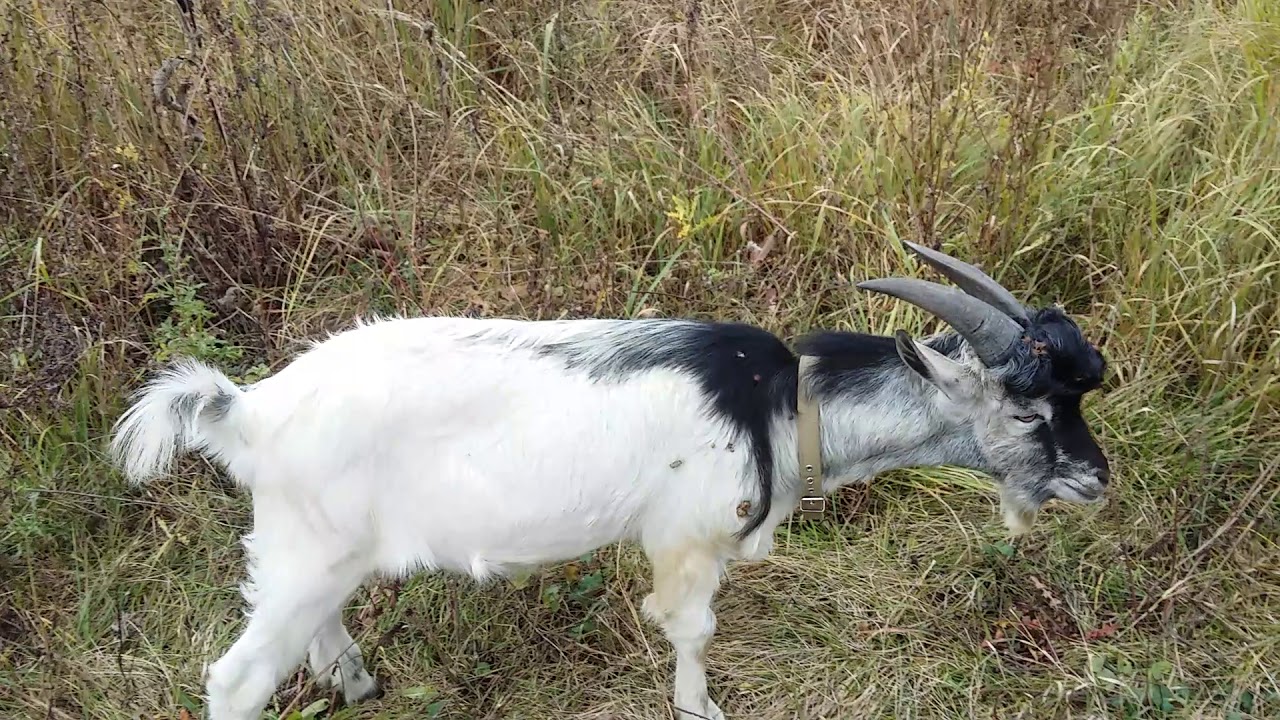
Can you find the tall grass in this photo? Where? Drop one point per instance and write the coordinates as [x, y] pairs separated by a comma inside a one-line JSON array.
[[235, 179]]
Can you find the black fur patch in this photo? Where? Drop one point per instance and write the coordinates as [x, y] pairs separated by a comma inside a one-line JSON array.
[[748, 374], [1073, 437], [1056, 360], [856, 360], [219, 405], [848, 359]]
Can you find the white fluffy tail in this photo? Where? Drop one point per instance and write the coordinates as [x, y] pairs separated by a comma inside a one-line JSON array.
[[174, 413]]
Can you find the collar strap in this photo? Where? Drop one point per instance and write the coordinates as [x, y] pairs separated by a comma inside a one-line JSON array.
[[809, 443]]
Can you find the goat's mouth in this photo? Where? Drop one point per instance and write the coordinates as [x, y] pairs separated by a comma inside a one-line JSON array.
[[1079, 492]]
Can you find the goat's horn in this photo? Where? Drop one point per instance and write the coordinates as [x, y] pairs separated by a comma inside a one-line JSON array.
[[973, 281], [989, 331]]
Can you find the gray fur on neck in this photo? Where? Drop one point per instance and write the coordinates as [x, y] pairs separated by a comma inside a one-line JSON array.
[[897, 424], [888, 418]]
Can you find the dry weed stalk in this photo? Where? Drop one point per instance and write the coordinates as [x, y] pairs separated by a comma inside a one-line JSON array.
[[180, 102]]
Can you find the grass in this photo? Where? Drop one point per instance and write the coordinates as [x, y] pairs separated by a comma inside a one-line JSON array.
[[306, 162]]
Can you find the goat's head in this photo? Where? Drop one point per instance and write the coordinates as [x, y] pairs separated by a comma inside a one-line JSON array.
[[1018, 379]]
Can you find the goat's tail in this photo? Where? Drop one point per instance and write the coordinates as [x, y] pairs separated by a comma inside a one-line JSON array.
[[188, 406]]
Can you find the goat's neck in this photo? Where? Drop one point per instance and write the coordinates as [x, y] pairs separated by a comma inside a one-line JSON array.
[[896, 421]]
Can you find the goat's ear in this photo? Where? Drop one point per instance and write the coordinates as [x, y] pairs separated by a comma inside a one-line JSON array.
[[944, 373]]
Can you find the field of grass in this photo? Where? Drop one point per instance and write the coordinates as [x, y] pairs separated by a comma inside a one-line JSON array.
[[232, 181]]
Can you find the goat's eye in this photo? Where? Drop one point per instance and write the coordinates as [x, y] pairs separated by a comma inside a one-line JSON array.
[[1026, 418]]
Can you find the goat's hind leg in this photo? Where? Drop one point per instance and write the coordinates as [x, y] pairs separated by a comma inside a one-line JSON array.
[[336, 662], [685, 580], [294, 591]]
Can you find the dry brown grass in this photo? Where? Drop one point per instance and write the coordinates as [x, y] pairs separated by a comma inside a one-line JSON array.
[[305, 162]]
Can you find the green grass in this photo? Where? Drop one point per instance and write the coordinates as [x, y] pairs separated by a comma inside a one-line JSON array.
[[747, 161]]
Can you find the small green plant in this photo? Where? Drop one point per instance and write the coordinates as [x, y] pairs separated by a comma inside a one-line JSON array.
[[581, 590], [690, 217], [187, 331], [1135, 693]]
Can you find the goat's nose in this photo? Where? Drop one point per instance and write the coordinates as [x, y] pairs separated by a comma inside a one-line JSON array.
[[1104, 474]]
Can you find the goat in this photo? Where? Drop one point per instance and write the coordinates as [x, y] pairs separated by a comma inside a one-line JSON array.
[[492, 446]]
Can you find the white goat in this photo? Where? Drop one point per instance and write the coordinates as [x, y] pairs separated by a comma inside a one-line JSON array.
[[488, 446]]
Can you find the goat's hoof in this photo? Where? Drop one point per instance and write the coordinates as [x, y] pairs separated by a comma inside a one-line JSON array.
[[360, 688], [706, 710], [356, 686]]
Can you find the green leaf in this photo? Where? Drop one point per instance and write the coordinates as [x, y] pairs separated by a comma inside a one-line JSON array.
[[1002, 548], [314, 708], [185, 701], [1098, 665], [590, 582], [420, 692], [551, 598], [1160, 697]]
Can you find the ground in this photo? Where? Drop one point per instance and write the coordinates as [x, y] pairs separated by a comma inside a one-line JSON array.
[[229, 179]]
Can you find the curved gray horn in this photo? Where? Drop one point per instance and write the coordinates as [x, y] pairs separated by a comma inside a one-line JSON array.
[[973, 281], [989, 331]]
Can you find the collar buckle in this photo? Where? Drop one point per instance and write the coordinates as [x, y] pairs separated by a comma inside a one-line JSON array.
[[813, 507]]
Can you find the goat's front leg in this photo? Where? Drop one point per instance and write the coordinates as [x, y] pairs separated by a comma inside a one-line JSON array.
[[685, 580]]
